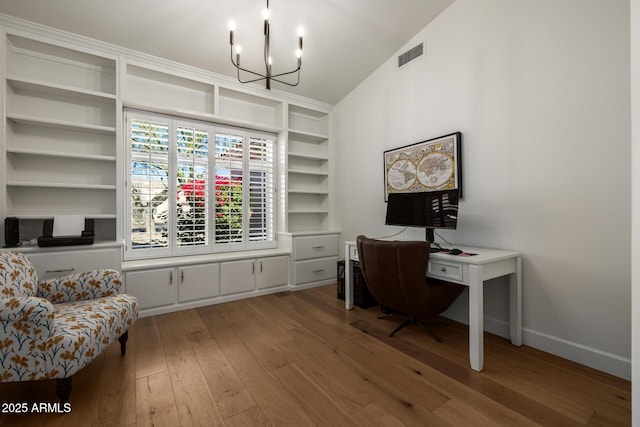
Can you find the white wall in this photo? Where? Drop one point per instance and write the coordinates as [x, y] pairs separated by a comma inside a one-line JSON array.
[[635, 183], [540, 91]]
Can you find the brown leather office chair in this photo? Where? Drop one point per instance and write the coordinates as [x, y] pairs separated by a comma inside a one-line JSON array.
[[395, 272]]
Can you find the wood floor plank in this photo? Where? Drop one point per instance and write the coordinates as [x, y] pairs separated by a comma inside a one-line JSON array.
[[228, 390], [117, 400], [149, 354], [408, 403], [314, 402], [272, 398], [252, 417], [373, 415], [155, 401], [299, 358], [193, 398]]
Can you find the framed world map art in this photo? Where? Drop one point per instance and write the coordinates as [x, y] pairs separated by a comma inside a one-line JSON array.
[[424, 166]]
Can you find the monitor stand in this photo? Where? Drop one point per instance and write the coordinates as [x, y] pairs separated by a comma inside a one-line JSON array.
[[430, 237]]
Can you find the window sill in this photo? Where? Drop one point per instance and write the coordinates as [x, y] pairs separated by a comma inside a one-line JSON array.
[[179, 261]]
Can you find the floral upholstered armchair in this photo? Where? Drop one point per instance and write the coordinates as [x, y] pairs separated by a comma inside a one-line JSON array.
[[53, 328]]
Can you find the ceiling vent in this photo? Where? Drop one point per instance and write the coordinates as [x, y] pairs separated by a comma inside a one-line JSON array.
[[410, 55]]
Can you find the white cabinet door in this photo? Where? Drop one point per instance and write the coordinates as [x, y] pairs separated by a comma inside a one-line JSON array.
[[198, 282], [237, 276], [153, 288], [272, 272]]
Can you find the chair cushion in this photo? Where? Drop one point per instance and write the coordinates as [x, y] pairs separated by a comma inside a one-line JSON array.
[[18, 278], [84, 329]]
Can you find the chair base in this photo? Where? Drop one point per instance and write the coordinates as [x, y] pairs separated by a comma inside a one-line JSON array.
[[423, 325], [123, 343], [63, 385], [63, 389]]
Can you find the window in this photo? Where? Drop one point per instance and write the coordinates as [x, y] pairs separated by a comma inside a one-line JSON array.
[[195, 187]]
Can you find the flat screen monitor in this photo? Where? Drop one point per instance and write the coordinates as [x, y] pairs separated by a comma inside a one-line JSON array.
[[433, 209]]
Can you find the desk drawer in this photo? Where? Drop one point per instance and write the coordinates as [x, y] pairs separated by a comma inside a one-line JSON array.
[[315, 270], [308, 247], [445, 270]]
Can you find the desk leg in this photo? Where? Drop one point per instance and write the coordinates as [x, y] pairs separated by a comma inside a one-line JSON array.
[[515, 295], [476, 318], [348, 282]]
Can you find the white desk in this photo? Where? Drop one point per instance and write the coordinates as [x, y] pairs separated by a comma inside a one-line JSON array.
[[471, 271]]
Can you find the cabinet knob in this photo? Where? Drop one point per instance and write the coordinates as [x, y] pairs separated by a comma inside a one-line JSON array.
[[443, 269], [318, 247], [319, 270], [171, 277]]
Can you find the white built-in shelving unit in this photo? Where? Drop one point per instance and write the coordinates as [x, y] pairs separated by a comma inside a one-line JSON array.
[[308, 169], [60, 134], [63, 152]]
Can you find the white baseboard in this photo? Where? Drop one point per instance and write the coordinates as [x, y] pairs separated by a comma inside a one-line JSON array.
[[588, 356]]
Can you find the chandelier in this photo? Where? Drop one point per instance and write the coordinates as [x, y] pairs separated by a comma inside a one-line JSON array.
[[268, 75]]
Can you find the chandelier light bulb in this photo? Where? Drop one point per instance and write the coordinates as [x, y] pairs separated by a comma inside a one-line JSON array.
[[238, 49], [266, 14], [298, 53], [300, 31], [232, 25]]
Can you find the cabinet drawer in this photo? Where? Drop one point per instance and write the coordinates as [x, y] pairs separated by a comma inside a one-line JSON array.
[[315, 270], [445, 270], [307, 247], [61, 263]]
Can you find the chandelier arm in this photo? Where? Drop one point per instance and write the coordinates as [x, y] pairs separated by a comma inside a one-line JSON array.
[[287, 83], [288, 72], [238, 69]]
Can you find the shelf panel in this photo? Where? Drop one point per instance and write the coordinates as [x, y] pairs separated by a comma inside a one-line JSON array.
[[79, 156], [309, 211], [29, 199], [61, 124], [310, 122], [45, 88], [308, 172], [61, 185], [316, 192], [307, 136], [305, 156], [60, 65], [27, 216], [242, 106]]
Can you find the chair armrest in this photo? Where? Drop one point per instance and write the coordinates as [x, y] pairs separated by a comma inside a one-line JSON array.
[[26, 324], [26, 309], [81, 286]]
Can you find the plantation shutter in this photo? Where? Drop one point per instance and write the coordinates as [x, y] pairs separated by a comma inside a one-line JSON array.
[[195, 187], [148, 186], [261, 188], [229, 166], [192, 186]]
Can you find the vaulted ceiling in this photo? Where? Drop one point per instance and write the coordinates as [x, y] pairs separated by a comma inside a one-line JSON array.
[[344, 42]]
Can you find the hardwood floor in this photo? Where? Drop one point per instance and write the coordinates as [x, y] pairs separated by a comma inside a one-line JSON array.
[[295, 359]]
